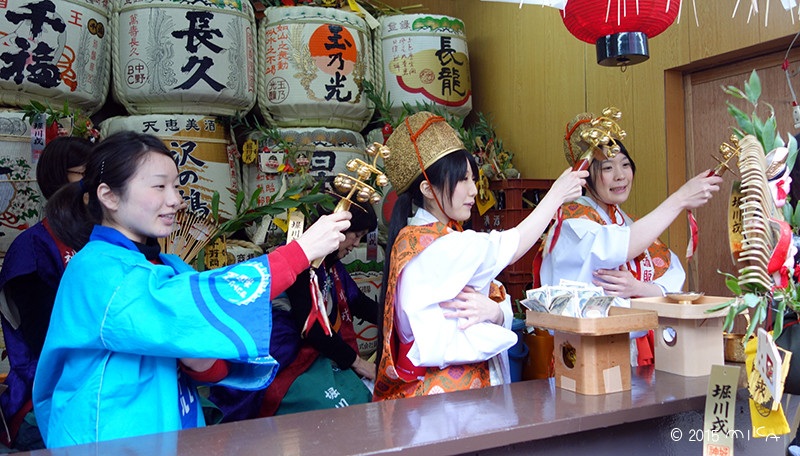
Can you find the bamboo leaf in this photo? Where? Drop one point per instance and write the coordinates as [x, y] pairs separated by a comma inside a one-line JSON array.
[[752, 300], [796, 217], [721, 306], [287, 203], [729, 319], [734, 91], [733, 284], [753, 323], [758, 128], [788, 211], [315, 198], [239, 201], [778, 327], [215, 205], [753, 88], [742, 119], [291, 191], [254, 198], [769, 134]]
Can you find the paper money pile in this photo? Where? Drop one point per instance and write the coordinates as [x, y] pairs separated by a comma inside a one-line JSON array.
[[569, 298]]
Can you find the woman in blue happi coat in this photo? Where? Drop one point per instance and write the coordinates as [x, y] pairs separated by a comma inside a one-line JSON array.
[[133, 329]]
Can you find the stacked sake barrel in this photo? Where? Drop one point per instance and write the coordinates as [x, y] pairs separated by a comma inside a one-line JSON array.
[[425, 60], [21, 203], [324, 152], [52, 52], [181, 67], [312, 63]]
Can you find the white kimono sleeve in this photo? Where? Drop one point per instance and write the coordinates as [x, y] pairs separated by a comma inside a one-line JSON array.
[[583, 247], [438, 274]]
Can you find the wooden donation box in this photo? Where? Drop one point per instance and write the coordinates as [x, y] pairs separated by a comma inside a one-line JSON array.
[[688, 340], [592, 355]]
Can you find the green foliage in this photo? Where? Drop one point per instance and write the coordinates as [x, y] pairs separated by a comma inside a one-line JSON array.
[[382, 101], [751, 124], [81, 125], [296, 197], [754, 299]]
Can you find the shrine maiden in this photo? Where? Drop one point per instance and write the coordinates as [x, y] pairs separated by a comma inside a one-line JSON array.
[[439, 328], [595, 241]]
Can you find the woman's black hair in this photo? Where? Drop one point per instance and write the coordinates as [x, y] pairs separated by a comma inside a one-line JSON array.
[[58, 156], [444, 174], [364, 219], [594, 168], [112, 162]]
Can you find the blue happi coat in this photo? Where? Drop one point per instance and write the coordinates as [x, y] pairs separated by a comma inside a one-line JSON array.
[[109, 367]]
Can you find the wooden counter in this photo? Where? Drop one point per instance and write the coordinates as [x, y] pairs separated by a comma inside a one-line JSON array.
[[512, 419]]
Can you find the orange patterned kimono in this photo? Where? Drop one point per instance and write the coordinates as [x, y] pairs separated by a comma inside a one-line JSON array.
[[397, 381]]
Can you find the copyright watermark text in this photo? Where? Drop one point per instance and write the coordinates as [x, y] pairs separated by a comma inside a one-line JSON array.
[[701, 435]]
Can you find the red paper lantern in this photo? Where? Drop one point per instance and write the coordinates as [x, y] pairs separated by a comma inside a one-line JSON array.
[[619, 28]]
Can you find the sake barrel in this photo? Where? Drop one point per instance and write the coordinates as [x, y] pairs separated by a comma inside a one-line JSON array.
[[240, 251], [367, 271], [55, 51], [184, 56], [324, 152], [205, 154], [311, 64], [425, 60], [21, 203]]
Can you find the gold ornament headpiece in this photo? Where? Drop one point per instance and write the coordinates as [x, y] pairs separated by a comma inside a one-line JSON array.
[[417, 143], [586, 135]]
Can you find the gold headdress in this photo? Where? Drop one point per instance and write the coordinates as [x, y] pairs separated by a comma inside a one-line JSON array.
[[418, 142], [586, 135]]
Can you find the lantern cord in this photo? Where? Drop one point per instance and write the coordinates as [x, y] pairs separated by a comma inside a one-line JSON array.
[[786, 69]]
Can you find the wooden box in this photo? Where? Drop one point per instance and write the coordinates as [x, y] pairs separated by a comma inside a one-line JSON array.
[[688, 340], [593, 355]]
